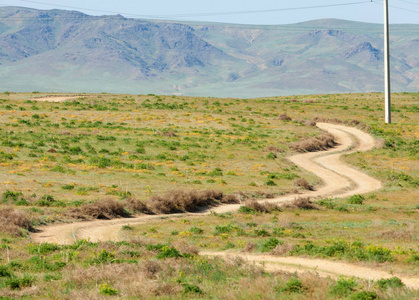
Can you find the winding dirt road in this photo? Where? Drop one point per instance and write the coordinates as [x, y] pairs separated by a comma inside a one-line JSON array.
[[338, 180]]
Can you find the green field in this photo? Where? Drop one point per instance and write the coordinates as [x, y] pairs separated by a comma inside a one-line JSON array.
[[59, 160]]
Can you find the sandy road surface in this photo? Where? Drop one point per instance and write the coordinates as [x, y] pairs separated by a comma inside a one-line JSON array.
[[55, 98], [339, 180], [321, 267]]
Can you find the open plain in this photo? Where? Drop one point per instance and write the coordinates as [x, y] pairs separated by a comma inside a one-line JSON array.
[[138, 196]]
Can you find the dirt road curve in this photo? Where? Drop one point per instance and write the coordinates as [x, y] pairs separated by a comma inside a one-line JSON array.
[[55, 98], [321, 267], [339, 180]]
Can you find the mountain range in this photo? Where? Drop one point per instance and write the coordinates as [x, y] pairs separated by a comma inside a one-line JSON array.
[[68, 51]]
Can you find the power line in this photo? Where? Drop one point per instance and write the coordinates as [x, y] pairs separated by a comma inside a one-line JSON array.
[[396, 7], [410, 2], [205, 14], [264, 10]]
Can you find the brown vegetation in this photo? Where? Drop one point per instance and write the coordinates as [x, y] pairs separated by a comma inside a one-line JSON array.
[[135, 205], [303, 183], [103, 209], [321, 142], [264, 207], [188, 201], [301, 203], [284, 117], [13, 220]]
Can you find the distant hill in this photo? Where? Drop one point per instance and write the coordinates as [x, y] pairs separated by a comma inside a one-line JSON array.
[[67, 51]]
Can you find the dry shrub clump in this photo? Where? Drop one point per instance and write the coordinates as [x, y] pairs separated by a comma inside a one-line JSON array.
[[301, 203], [322, 142], [274, 149], [136, 205], [283, 249], [284, 117], [265, 207], [103, 209], [188, 201], [12, 221], [303, 183], [168, 133]]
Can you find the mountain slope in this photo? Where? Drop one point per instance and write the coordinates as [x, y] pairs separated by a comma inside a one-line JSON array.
[[66, 51]]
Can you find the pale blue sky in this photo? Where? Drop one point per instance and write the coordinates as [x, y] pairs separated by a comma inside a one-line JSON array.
[[239, 11]]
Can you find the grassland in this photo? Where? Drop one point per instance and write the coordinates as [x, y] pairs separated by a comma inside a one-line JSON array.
[[58, 160]]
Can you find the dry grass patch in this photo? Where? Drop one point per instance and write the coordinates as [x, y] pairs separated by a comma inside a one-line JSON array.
[[265, 207], [303, 183], [319, 143], [13, 220], [103, 209], [301, 203], [188, 201]]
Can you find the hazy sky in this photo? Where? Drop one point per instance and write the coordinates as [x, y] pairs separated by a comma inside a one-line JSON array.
[[238, 11]]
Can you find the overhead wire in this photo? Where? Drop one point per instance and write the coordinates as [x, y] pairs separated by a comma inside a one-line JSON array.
[[168, 16], [396, 7], [410, 2]]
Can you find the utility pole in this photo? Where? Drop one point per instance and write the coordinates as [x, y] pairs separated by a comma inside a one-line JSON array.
[[387, 86]]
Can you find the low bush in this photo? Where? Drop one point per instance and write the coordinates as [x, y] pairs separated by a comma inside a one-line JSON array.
[[301, 203], [294, 285], [364, 295], [103, 209], [136, 205], [356, 199], [303, 183], [106, 289], [18, 282], [13, 221], [188, 201], [393, 282], [270, 244], [321, 142], [343, 287], [346, 250], [253, 206]]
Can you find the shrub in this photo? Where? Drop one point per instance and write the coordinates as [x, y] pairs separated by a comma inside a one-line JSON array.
[[393, 282], [255, 206], [103, 257], [270, 244], [322, 142], [43, 248], [10, 196], [343, 287], [247, 210], [364, 295], [284, 117], [103, 209], [18, 282], [190, 288], [106, 289], [294, 285], [181, 201], [196, 230], [12, 221], [356, 199], [271, 155], [167, 252], [270, 182], [301, 203], [4, 272], [223, 229], [303, 183], [46, 200], [136, 205]]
